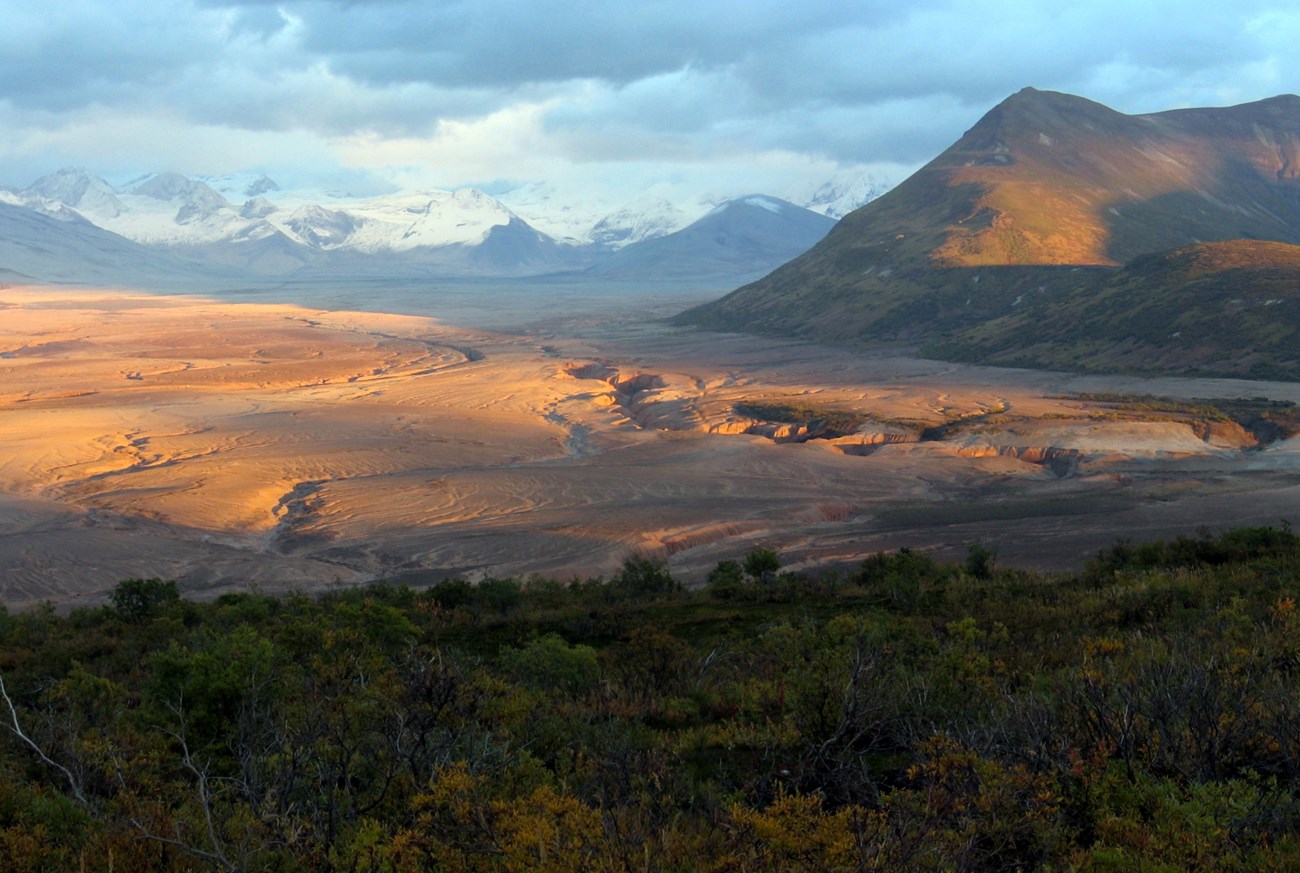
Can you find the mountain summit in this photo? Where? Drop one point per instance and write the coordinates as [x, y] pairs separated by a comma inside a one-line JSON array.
[[1057, 179], [1044, 184]]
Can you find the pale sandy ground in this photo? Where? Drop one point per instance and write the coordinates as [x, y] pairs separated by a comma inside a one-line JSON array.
[[278, 447]]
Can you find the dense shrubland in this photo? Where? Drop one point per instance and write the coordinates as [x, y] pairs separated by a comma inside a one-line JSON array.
[[1143, 713]]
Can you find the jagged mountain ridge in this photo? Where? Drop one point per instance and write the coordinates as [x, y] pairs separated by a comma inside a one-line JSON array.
[[171, 209], [1044, 190], [464, 232], [436, 233]]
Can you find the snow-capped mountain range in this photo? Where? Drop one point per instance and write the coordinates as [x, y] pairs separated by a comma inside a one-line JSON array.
[[247, 222], [169, 209]]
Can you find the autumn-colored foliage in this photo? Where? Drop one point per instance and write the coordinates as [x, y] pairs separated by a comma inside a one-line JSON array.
[[909, 715]]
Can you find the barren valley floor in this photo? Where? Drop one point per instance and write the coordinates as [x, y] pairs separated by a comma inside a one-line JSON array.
[[235, 444]]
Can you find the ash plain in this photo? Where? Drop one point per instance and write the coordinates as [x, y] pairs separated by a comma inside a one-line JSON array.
[[290, 437]]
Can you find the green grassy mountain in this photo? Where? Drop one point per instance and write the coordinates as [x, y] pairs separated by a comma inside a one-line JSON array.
[[1225, 308], [1044, 198]]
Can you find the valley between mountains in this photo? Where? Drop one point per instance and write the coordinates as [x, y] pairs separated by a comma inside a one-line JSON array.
[[422, 387], [233, 444]]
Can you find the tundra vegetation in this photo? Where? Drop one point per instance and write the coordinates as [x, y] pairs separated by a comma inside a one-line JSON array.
[[1141, 713]]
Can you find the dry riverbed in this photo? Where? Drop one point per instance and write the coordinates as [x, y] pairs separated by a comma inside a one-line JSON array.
[[229, 445]]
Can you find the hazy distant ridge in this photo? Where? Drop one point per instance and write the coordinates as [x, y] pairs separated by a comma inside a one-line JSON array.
[[423, 233]]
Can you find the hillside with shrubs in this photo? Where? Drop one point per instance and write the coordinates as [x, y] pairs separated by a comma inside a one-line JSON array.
[[1142, 713]]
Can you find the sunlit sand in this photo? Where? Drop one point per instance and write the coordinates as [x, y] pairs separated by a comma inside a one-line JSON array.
[[273, 446]]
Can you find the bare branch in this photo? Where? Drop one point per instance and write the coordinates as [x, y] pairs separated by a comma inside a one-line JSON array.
[[203, 789], [17, 728], [146, 834]]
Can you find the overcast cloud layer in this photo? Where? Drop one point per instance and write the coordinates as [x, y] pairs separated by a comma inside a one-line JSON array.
[[600, 98]]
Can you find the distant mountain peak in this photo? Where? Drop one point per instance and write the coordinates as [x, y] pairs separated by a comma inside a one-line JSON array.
[[257, 207], [172, 186], [774, 205], [475, 196], [742, 236], [238, 187], [76, 187], [839, 197], [647, 217], [320, 227], [69, 176], [259, 186], [196, 201], [762, 201]]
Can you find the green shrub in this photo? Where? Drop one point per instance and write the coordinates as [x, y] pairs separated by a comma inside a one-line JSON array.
[[548, 663], [646, 576], [138, 599]]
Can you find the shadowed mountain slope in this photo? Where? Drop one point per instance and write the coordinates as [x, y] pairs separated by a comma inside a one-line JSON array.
[[37, 246], [1044, 191], [740, 239], [1224, 308]]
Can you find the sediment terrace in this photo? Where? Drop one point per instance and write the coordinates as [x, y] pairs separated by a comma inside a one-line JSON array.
[[229, 445]]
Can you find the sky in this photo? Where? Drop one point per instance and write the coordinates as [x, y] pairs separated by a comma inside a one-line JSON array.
[[596, 99]]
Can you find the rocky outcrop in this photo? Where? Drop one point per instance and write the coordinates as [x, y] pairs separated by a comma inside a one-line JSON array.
[[865, 442], [635, 395], [1058, 444], [1225, 434], [1062, 462]]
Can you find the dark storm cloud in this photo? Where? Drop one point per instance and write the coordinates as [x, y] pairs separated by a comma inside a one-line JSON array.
[[506, 42], [65, 55], [851, 80]]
